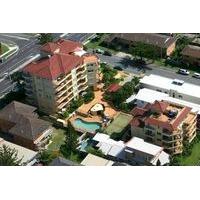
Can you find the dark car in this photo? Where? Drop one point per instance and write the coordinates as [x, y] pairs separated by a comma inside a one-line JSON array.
[[118, 68], [139, 62], [107, 53]]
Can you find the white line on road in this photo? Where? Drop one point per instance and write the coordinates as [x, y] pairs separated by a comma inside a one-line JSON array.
[[17, 37], [63, 35]]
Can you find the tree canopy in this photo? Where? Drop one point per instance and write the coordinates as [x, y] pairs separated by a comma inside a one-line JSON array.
[[45, 37], [9, 156]]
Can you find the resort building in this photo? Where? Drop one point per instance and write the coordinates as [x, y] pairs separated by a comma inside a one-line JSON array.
[[135, 152], [145, 96], [164, 45], [173, 87], [64, 72], [19, 123], [165, 124]]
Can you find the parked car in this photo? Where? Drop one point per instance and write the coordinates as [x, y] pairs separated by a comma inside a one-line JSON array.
[[118, 68], [107, 53], [100, 51], [196, 75], [183, 71]]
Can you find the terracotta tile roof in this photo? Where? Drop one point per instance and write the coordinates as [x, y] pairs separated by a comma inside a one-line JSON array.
[[62, 46], [53, 67], [144, 115], [159, 106], [192, 51], [113, 87]]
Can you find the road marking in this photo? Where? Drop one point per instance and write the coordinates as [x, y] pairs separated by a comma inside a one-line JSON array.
[[63, 35], [17, 37]]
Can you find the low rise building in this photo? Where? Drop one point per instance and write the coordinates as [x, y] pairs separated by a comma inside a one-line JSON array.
[[54, 81], [27, 156], [20, 124], [165, 124], [173, 87], [191, 54], [135, 152], [163, 44], [92, 160]]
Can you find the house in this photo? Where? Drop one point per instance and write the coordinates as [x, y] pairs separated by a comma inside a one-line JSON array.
[[191, 54], [92, 160], [55, 80], [114, 87], [173, 87], [135, 152], [145, 96], [20, 124], [27, 156], [163, 44], [165, 124], [60, 161]]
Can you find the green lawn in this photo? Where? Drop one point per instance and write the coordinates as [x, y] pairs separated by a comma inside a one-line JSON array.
[[58, 138], [119, 123], [96, 44], [4, 48], [193, 159]]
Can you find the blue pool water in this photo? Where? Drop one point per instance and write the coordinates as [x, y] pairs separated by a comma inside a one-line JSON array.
[[86, 126]]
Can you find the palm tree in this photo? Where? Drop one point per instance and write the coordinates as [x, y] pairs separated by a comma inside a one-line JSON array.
[[9, 156]]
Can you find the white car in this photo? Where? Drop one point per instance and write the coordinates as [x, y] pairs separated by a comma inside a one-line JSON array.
[[183, 71], [196, 75]]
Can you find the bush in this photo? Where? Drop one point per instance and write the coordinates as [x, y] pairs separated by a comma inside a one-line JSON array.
[[116, 136], [95, 152]]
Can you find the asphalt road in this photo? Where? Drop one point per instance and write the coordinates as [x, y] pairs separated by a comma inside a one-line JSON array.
[[127, 66]]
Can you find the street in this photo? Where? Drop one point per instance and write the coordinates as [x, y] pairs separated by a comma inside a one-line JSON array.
[[127, 66]]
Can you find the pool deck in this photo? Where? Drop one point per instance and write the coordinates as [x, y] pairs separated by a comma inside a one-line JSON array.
[[85, 108]]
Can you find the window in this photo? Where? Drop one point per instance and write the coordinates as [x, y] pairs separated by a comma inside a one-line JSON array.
[[180, 96]]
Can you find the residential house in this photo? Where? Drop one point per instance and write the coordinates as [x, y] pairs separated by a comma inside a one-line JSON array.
[[165, 124], [135, 152], [27, 156], [92, 160], [20, 124], [60, 161], [54, 81]]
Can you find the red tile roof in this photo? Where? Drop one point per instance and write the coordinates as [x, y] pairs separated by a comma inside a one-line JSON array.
[[113, 87], [141, 115], [159, 106], [62, 46], [53, 67]]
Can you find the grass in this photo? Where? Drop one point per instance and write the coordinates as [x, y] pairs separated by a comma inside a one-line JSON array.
[[118, 124], [193, 159], [4, 48], [58, 138], [97, 44]]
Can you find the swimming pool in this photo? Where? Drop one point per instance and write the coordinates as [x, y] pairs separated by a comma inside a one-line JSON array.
[[82, 125]]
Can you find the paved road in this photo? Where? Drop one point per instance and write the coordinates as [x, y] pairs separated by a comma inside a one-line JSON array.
[[127, 66]]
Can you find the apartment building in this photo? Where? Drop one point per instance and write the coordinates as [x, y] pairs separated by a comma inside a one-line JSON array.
[[61, 76], [145, 96], [191, 55], [163, 44], [165, 124], [173, 87]]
